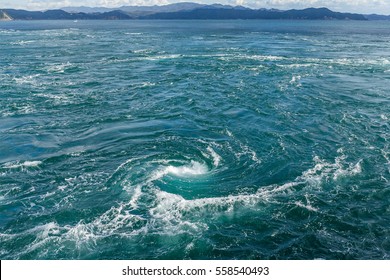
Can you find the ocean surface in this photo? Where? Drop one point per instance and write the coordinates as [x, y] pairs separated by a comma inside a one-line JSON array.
[[194, 140]]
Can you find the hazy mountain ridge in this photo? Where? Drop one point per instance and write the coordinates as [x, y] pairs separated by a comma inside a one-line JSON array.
[[184, 10], [182, 6], [233, 13], [377, 17], [62, 15]]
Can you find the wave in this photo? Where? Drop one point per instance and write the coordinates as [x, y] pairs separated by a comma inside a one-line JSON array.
[[59, 68], [298, 62], [325, 171], [161, 57], [28, 79], [22, 164], [216, 158], [193, 169]]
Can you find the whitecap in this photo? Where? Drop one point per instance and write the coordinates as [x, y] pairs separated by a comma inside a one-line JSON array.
[[216, 158], [32, 163], [55, 98], [59, 68], [295, 79], [29, 79], [324, 170], [306, 206], [175, 206], [136, 195], [22, 42], [26, 164], [351, 170], [252, 57], [229, 133], [162, 57], [193, 169]]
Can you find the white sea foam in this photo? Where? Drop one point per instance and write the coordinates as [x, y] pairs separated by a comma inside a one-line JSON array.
[[243, 149], [351, 170], [174, 210], [32, 163], [25, 109], [297, 62], [349, 61], [216, 158], [324, 170], [143, 51], [47, 229], [111, 222], [386, 155], [136, 195], [172, 214], [144, 84], [306, 206], [261, 57], [8, 31], [266, 57], [246, 150], [295, 79], [29, 79], [25, 164], [190, 246], [229, 133], [297, 65], [59, 68], [80, 233], [175, 205], [55, 98], [23, 42], [161, 57], [193, 169]]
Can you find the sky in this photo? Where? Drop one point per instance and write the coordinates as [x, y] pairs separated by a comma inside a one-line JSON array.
[[356, 6]]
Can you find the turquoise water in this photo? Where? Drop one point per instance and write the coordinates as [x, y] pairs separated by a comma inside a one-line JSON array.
[[194, 140]]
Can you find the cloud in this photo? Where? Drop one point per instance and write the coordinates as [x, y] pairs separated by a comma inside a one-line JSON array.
[[118, 3], [363, 6], [48, 4]]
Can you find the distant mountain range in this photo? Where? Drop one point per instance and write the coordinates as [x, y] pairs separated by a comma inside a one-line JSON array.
[[183, 6], [185, 10], [377, 17]]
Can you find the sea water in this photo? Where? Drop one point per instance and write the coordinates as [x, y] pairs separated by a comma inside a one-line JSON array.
[[194, 140]]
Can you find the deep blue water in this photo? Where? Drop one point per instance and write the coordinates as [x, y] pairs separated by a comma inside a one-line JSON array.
[[194, 140]]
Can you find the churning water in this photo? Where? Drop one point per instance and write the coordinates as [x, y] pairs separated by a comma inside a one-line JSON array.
[[194, 140]]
